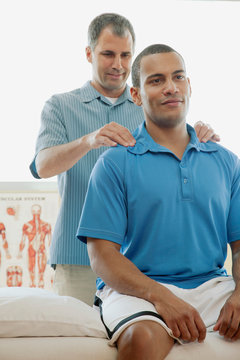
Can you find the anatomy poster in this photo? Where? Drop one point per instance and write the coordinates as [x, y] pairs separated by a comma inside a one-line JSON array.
[[26, 226]]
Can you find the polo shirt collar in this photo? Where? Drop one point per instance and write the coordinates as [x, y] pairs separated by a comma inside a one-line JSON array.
[[89, 93], [144, 142]]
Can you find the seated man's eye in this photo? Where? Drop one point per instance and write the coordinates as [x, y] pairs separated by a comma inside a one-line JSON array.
[[156, 81]]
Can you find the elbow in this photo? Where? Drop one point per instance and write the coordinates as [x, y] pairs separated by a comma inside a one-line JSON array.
[[42, 167], [42, 172], [93, 256], [93, 262]]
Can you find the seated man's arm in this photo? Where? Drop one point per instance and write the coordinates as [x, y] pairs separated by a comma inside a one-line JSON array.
[[122, 275], [228, 323]]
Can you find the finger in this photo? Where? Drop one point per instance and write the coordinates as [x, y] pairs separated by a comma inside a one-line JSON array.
[[219, 320], [107, 134], [206, 135], [119, 137], [237, 335], [233, 328], [215, 138], [201, 129], [197, 126], [205, 132], [122, 131], [225, 323], [185, 334], [217, 325], [201, 328], [175, 330], [193, 331]]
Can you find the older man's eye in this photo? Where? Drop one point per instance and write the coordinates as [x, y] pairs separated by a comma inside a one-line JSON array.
[[107, 54]]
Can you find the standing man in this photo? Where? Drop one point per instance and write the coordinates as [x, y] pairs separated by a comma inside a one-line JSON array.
[[75, 129], [157, 220]]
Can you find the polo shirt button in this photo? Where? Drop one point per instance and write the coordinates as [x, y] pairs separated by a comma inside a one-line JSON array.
[[185, 180]]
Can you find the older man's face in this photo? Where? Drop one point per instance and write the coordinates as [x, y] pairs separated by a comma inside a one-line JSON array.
[[111, 60]]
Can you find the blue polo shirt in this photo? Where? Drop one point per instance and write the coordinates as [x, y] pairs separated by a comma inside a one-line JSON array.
[[173, 218]]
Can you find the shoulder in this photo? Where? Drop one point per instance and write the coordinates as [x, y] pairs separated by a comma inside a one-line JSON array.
[[226, 156], [111, 163], [226, 153], [115, 155], [66, 96], [79, 94]]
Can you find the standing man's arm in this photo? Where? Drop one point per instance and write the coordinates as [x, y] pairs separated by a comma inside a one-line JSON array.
[[122, 275], [228, 323], [57, 159]]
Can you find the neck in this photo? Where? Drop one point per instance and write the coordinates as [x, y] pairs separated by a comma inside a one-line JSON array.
[[113, 93], [175, 139]]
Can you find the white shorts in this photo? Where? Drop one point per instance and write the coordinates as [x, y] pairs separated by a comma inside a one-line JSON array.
[[118, 311]]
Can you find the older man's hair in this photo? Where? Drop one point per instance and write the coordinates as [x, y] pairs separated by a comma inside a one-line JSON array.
[[118, 23], [150, 50]]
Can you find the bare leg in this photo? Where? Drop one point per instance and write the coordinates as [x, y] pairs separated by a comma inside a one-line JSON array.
[[144, 340]]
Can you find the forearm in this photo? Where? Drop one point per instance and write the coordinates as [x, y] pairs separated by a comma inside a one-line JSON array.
[[236, 269], [57, 159], [121, 274]]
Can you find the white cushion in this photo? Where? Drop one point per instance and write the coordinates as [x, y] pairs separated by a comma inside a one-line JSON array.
[[38, 312]]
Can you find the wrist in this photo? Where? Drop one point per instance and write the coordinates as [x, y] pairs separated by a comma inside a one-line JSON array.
[[237, 289], [85, 141], [156, 292]]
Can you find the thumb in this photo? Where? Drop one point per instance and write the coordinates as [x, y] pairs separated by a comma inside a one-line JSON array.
[[218, 323], [217, 326]]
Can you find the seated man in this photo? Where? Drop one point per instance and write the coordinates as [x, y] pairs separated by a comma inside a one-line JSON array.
[[157, 220]]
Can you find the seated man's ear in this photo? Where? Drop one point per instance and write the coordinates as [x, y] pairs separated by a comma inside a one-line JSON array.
[[135, 93]]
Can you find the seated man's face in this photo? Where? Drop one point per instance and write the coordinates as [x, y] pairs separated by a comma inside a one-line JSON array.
[[165, 90]]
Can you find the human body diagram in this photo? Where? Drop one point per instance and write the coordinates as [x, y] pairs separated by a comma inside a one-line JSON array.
[[37, 232]]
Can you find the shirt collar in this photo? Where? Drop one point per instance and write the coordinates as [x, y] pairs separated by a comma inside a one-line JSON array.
[[89, 93], [144, 142]]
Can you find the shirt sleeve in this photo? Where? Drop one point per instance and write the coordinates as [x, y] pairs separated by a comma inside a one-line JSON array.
[[234, 213], [104, 214], [52, 130]]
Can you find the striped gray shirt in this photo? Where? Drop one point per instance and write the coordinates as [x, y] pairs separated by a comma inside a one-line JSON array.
[[66, 117]]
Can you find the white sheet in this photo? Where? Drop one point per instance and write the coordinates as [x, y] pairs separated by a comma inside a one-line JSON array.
[[88, 348]]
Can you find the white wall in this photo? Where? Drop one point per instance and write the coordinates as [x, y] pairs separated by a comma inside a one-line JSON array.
[[42, 52]]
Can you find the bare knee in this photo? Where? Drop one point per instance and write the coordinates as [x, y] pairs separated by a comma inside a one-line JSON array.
[[138, 336], [144, 340]]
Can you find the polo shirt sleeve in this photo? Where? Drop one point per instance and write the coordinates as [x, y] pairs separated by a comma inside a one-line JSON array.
[[52, 130], [104, 214], [234, 213]]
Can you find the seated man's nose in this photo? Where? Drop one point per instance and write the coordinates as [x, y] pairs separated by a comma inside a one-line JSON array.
[[170, 87]]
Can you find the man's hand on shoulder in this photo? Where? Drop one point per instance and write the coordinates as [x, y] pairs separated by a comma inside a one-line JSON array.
[[110, 135], [205, 132]]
